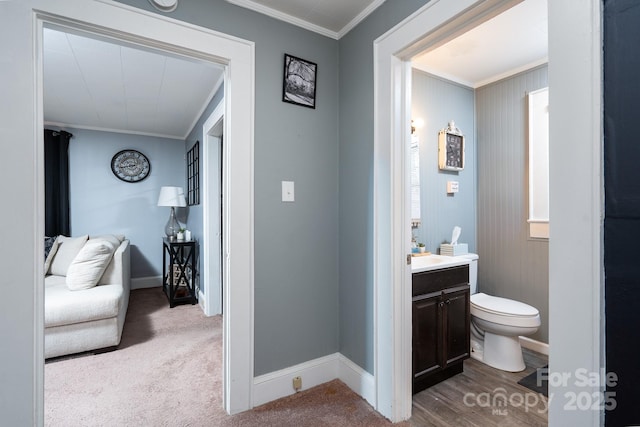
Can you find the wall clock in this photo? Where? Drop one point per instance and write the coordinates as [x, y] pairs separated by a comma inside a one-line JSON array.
[[130, 166]]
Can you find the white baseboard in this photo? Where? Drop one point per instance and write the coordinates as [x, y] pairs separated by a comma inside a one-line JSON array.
[[534, 345], [201, 302], [358, 380], [278, 384], [146, 282]]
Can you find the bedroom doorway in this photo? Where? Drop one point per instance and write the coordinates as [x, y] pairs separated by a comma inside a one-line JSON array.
[[214, 168], [157, 32]]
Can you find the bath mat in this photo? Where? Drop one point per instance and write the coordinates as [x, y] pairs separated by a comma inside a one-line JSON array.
[[531, 382]]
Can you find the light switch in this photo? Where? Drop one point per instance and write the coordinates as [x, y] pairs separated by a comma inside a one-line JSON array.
[[287, 191], [452, 187]]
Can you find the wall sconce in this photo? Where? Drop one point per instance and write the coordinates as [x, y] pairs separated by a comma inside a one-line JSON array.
[[416, 124]]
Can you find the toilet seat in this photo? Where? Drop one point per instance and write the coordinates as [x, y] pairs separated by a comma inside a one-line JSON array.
[[504, 311]]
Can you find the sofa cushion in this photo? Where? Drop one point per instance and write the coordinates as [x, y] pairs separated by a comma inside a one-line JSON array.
[[87, 267], [68, 248], [64, 307], [116, 239]]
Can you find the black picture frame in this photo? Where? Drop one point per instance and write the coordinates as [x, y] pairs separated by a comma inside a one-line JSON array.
[[451, 148], [193, 175], [452, 153], [299, 81]]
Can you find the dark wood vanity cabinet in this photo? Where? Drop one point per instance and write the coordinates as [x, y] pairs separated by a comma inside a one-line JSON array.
[[441, 324]]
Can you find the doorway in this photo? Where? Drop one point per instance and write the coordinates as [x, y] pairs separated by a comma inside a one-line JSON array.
[[214, 168], [135, 26], [435, 22]]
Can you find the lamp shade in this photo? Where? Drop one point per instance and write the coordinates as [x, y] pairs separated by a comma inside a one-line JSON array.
[[172, 196]]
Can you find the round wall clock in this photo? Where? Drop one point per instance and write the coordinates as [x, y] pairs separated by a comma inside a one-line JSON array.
[[130, 166]]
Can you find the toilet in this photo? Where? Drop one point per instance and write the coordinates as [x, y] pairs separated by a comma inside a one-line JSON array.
[[496, 325]]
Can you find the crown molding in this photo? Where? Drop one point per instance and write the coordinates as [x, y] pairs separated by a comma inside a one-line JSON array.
[[265, 10]]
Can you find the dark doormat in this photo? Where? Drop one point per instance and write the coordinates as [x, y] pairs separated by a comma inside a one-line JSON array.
[[531, 381]]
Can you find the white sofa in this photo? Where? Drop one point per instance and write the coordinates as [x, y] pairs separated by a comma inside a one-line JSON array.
[[86, 319]]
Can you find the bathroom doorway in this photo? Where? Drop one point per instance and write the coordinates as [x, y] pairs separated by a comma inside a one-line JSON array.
[[392, 52]]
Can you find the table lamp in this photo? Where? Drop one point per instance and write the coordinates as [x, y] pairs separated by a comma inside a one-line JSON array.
[[172, 197]]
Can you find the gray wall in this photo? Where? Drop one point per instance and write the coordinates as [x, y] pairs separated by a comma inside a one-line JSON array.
[[437, 101], [356, 178], [296, 289], [511, 264], [101, 203]]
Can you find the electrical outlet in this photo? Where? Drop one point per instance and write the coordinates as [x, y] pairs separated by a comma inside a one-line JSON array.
[[297, 383]]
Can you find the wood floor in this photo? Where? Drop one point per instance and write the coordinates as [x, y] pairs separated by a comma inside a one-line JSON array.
[[482, 396]]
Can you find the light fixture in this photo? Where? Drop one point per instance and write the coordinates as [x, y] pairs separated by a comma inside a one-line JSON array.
[[165, 5], [416, 124], [172, 197]]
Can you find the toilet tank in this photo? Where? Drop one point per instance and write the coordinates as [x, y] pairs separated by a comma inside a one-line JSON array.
[[473, 271]]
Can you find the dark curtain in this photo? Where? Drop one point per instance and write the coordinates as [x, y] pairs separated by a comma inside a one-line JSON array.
[[56, 182]]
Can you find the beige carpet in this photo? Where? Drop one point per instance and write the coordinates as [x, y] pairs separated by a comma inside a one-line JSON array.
[[167, 372]]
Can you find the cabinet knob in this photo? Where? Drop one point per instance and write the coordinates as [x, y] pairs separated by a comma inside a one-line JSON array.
[[448, 301], [441, 304]]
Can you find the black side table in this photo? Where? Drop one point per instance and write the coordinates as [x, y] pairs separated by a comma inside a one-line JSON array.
[[179, 271]]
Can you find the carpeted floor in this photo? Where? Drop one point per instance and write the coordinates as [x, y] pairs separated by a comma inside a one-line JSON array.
[[167, 372]]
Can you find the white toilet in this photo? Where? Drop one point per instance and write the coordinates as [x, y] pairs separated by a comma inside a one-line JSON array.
[[496, 324]]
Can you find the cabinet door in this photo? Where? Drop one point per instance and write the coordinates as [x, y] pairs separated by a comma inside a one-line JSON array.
[[457, 329], [428, 352]]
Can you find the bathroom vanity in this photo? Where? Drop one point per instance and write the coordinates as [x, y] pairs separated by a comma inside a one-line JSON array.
[[440, 318]]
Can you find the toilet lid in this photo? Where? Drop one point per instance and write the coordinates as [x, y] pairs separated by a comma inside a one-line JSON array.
[[502, 306]]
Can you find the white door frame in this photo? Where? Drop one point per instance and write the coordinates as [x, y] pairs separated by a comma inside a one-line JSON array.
[[574, 100], [213, 158], [134, 25]]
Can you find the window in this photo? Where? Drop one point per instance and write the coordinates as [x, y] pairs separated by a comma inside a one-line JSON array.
[[539, 164], [193, 175]]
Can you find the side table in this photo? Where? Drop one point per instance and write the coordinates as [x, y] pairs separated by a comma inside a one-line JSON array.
[[179, 271]]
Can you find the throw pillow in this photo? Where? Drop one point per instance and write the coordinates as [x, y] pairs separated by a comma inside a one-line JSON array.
[[48, 244], [87, 267], [50, 253], [68, 248]]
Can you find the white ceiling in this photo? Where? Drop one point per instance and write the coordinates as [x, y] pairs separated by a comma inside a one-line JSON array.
[[332, 18], [97, 84], [513, 41]]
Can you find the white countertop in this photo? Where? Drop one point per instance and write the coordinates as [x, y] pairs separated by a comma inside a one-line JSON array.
[[435, 262]]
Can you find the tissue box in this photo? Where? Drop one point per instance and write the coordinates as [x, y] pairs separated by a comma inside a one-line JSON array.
[[454, 250]]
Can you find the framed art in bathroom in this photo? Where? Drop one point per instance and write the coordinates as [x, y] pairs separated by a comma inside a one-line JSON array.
[[451, 149]]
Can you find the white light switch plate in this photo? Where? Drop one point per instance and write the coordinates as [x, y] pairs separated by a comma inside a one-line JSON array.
[[288, 191], [452, 187]]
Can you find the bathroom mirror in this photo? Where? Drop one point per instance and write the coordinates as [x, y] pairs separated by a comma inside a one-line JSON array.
[[415, 181]]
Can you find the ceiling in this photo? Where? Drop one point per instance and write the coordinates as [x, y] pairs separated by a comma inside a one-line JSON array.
[[332, 18], [513, 41], [94, 83]]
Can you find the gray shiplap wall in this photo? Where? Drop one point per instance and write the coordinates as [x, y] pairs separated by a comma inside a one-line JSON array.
[[511, 265]]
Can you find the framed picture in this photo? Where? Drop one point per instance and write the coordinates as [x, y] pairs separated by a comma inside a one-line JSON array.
[[451, 148], [299, 84]]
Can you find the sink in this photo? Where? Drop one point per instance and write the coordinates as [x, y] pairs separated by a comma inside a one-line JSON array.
[[435, 262]]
